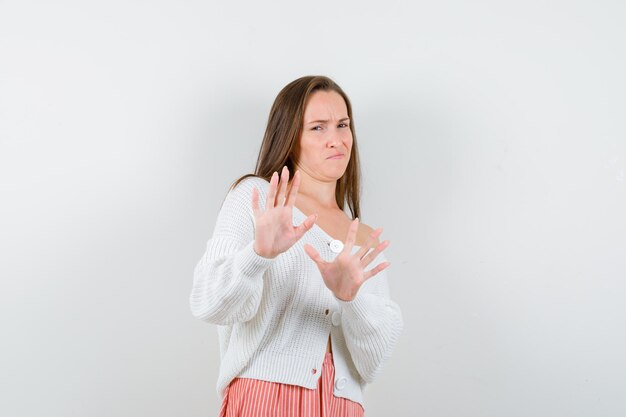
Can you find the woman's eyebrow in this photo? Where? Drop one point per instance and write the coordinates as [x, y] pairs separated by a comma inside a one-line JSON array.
[[326, 121]]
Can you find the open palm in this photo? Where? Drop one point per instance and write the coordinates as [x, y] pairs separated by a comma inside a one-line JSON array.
[[346, 273], [274, 229]]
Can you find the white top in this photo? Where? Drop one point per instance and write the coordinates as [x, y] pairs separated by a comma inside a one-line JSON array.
[[274, 316]]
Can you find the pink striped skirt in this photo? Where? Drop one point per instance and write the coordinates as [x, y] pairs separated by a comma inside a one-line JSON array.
[[245, 397]]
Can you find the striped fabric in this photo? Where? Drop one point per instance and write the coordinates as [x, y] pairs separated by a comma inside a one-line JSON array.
[[245, 397]]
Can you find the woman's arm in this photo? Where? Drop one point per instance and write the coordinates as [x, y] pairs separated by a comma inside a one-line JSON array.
[[228, 279], [372, 324]]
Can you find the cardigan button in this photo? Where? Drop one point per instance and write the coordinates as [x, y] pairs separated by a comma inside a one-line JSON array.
[[336, 245], [341, 383], [336, 319]]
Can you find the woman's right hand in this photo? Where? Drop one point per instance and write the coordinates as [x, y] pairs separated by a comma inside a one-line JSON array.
[[274, 229]]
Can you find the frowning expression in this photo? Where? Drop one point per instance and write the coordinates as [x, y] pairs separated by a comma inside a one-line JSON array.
[[326, 140]]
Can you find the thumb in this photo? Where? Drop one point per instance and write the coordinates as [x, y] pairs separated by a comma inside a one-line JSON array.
[[313, 254], [306, 225]]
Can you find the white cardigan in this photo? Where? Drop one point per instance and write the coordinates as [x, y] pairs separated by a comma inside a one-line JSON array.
[[274, 316]]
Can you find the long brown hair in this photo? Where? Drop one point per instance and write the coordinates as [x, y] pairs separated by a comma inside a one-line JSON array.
[[281, 142]]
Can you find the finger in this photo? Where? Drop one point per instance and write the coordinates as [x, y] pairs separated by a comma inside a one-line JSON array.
[[271, 193], [372, 255], [313, 254], [351, 238], [293, 191], [369, 274], [284, 180], [255, 202], [371, 241], [306, 225]]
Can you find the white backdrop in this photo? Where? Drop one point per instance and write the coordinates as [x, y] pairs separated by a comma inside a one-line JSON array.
[[494, 152]]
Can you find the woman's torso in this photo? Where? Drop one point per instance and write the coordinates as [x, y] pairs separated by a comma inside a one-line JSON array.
[[335, 223]]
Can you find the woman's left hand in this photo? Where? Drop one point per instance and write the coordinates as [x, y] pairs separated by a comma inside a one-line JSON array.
[[346, 273]]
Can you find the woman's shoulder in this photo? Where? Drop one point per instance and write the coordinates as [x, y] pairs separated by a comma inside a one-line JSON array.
[[365, 231], [239, 194], [244, 186], [365, 228]]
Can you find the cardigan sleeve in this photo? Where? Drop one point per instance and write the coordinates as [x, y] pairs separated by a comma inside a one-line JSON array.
[[228, 279], [372, 324]]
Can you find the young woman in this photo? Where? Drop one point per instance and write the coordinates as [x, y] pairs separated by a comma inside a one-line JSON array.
[[297, 288]]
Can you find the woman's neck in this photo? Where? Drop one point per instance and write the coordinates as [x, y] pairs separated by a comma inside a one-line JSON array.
[[322, 193]]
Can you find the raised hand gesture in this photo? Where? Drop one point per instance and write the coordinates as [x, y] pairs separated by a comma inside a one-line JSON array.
[[346, 273], [274, 229]]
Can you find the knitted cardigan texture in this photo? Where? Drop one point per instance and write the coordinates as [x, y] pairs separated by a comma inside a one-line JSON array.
[[274, 316]]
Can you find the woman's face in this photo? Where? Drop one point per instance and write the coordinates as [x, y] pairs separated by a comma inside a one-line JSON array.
[[326, 133]]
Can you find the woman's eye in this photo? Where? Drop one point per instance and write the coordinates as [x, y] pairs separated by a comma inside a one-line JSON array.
[[343, 125]]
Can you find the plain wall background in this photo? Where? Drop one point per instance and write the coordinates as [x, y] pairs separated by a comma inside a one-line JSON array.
[[494, 154]]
